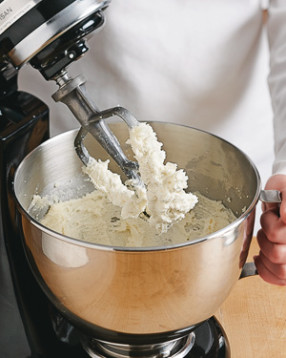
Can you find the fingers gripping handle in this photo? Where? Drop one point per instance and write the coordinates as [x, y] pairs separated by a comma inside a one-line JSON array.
[[266, 196]]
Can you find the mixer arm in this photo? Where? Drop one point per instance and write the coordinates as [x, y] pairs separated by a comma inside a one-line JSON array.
[[72, 92]]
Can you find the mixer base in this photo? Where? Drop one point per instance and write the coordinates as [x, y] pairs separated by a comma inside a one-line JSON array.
[[208, 340]]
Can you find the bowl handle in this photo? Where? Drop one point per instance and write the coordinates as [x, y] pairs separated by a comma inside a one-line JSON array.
[[267, 196], [249, 269], [270, 196]]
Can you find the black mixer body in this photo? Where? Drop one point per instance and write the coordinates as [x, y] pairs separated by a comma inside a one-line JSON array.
[[49, 35]]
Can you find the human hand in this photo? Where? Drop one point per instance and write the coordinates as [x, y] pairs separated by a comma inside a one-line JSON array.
[[271, 261]]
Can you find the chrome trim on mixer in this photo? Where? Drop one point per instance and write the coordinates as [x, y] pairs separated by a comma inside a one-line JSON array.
[[177, 348], [54, 28], [14, 11]]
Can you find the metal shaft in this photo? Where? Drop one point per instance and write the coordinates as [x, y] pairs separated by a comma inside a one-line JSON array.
[[72, 92]]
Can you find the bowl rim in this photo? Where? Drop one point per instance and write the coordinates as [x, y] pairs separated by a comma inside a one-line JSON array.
[[215, 235]]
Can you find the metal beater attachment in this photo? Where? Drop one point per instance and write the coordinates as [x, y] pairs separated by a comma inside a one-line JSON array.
[[72, 92]]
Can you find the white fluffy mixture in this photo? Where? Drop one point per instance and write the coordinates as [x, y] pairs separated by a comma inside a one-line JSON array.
[[166, 198], [95, 219], [131, 202], [156, 214], [163, 198]]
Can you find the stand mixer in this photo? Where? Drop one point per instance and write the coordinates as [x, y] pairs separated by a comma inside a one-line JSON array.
[[49, 35]]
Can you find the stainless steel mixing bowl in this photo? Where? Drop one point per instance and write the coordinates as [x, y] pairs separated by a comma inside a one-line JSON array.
[[147, 290]]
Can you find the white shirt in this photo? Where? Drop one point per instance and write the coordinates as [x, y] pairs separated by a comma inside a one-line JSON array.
[[201, 63]]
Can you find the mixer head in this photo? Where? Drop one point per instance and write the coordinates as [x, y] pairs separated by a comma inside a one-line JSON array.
[[50, 35]]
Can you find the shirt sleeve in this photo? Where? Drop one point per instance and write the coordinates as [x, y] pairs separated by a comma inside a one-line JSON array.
[[276, 28]]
